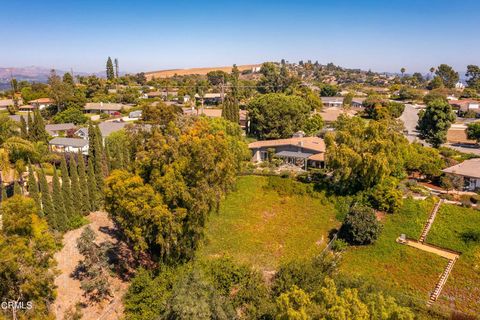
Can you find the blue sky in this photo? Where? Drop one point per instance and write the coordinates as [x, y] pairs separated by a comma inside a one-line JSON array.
[[152, 35]]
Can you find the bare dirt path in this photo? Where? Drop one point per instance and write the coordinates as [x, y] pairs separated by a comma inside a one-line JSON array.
[[69, 292]]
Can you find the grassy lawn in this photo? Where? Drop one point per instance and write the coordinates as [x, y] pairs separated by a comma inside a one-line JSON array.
[[262, 228], [449, 230], [396, 267]]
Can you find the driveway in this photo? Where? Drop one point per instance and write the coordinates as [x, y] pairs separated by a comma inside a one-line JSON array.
[[410, 120]]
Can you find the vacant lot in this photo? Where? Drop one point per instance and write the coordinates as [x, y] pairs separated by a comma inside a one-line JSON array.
[[458, 228], [396, 267], [262, 228]]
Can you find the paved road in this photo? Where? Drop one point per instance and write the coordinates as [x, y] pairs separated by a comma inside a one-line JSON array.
[[410, 119]]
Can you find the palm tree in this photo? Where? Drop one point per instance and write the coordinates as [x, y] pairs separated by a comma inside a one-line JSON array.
[[402, 71]]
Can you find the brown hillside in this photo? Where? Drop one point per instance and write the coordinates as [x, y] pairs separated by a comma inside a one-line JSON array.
[[200, 71]]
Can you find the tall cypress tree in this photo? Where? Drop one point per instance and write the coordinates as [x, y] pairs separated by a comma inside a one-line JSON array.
[[23, 128], [83, 184], [68, 200], [38, 132], [78, 201], [92, 187], [33, 188], [29, 126], [4, 192], [109, 71], [58, 203], [47, 205], [17, 190]]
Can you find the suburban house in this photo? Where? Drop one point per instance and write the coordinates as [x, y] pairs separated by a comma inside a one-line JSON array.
[[330, 115], [41, 103], [465, 105], [5, 103], [469, 170], [59, 129], [357, 102], [106, 128], [27, 107], [137, 114], [65, 145], [305, 152], [332, 102], [210, 98], [100, 107]]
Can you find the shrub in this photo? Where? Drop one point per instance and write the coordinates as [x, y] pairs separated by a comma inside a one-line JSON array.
[[386, 196], [339, 245], [360, 226]]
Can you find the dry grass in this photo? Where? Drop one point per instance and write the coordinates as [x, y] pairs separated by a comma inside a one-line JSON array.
[[199, 71]]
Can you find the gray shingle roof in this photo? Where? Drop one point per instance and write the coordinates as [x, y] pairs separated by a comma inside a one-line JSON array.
[[59, 127], [71, 142]]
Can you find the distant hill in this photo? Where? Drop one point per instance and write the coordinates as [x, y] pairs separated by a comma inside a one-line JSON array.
[[200, 71], [32, 74]]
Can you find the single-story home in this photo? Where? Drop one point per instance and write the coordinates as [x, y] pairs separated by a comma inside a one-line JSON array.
[[330, 115], [469, 170], [210, 98], [217, 113], [5, 103], [27, 107], [332, 102], [41, 103], [357, 102], [466, 105], [100, 107], [65, 145], [59, 129], [106, 128], [137, 114], [305, 152]]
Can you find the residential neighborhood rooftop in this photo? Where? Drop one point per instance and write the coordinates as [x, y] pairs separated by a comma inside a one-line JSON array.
[[72, 142], [468, 168]]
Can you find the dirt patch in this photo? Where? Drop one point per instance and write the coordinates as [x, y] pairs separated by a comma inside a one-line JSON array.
[[69, 292]]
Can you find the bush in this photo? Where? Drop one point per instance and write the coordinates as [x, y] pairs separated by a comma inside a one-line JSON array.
[[360, 226], [386, 196], [339, 245], [288, 187], [104, 116], [447, 196]]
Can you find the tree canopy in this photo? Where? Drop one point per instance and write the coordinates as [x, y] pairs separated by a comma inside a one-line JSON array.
[[434, 122]]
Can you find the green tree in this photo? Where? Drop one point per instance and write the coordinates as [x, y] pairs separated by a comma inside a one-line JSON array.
[[110, 72], [67, 195], [73, 115], [94, 266], [84, 185], [23, 128], [402, 70], [26, 258], [293, 305], [33, 188], [17, 190], [93, 195], [274, 116], [58, 203], [77, 198], [473, 74], [360, 226], [448, 76], [231, 109], [47, 205], [386, 196], [434, 122], [313, 125], [328, 90], [68, 79], [37, 131], [473, 131]]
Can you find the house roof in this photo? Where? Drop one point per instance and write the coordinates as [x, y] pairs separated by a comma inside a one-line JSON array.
[[6, 102], [104, 106], [107, 128], [27, 106], [332, 99], [294, 154], [59, 127], [468, 168], [332, 114], [311, 143], [41, 100], [69, 142]]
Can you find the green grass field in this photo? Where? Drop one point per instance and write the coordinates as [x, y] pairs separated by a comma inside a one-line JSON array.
[[396, 267], [450, 230], [262, 228]]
